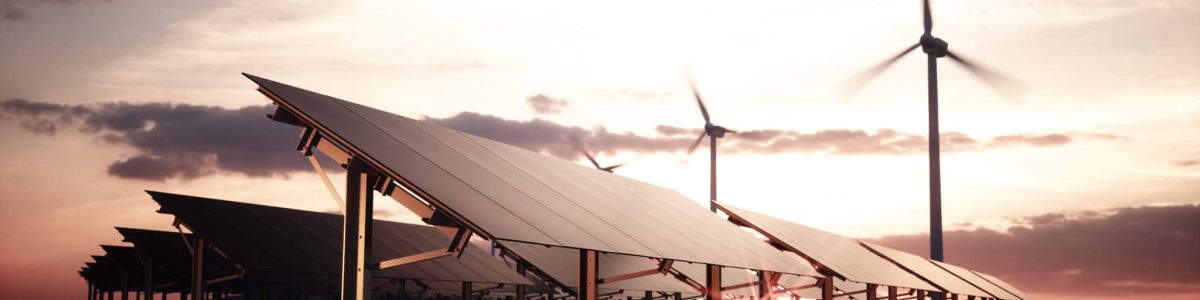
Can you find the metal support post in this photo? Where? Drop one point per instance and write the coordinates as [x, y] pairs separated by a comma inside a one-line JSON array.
[[678, 296], [356, 231], [921, 294], [648, 295], [466, 290], [764, 285], [826, 287], [892, 293], [871, 287], [588, 273], [197, 285], [712, 282], [149, 293]]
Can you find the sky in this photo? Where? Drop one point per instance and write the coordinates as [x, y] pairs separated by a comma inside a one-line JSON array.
[[1098, 164]]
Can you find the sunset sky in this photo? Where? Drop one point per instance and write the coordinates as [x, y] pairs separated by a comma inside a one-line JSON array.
[[1087, 188]]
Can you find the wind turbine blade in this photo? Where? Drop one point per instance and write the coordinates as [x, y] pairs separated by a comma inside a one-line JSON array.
[[928, 18], [579, 147], [696, 144], [696, 92], [855, 84], [1012, 89]]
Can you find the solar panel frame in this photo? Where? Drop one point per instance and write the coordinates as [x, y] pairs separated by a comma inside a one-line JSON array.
[[452, 182]]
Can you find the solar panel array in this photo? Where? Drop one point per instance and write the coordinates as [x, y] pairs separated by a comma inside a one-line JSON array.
[[539, 208], [519, 195], [279, 240]]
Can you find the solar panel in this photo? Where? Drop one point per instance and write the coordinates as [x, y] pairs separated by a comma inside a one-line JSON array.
[[508, 193], [979, 282], [924, 268], [1004, 285], [840, 254], [279, 240]]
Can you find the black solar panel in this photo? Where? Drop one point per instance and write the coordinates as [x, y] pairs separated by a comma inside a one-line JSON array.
[[287, 241]]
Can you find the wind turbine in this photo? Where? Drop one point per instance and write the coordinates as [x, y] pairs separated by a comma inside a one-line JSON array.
[[714, 132], [579, 146], [935, 48]]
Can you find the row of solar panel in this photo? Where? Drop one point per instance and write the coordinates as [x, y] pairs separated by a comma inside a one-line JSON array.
[[512, 195]]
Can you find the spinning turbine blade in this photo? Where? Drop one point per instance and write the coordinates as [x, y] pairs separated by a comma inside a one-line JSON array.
[[579, 146], [696, 144], [1012, 89], [696, 92], [928, 18], [855, 84]]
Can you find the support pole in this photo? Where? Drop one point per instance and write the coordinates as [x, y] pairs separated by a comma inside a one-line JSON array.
[[826, 288], [648, 295], [892, 293], [921, 294], [466, 290], [871, 287], [197, 286], [935, 172], [764, 285], [712, 176], [678, 296], [588, 264], [356, 231], [712, 282], [91, 293], [149, 293]]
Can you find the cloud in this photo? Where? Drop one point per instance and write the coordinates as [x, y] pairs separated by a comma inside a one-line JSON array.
[[549, 137], [11, 12], [1185, 163], [543, 104], [173, 141], [182, 141], [1125, 251]]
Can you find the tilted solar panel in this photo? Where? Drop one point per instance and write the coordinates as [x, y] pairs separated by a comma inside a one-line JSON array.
[[1004, 285], [840, 254], [508, 193], [562, 264], [288, 241], [978, 281], [926, 269]]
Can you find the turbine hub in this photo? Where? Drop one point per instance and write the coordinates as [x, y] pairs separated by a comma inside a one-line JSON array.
[[714, 130], [933, 45]]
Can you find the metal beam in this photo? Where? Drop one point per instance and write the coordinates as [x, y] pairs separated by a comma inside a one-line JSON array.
[[871, 291], [892, 293], [149, 266], [712, 282], [588, 273], [356, 231], [466, 290]]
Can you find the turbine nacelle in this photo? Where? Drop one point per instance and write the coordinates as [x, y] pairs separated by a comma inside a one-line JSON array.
[[933, 45], [715, 131]]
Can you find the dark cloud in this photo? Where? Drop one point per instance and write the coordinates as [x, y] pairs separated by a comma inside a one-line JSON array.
[[549, 137], [1126, 251], [173, 141], [181, 141], [1184, 163], [11, 12], [543, 104]]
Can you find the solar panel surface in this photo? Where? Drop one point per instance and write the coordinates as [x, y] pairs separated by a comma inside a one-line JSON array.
[[1007, 287], [843, 255], [514, 194], [979, 282], [929, 271]]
